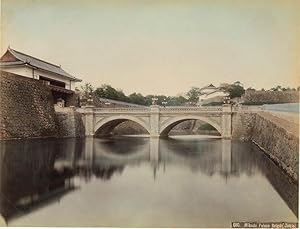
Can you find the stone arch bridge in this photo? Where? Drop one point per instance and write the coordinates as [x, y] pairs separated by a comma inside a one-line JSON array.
[[158, 121]]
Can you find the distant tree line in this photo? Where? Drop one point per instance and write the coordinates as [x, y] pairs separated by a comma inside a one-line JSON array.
[[107, 91], [190, 98], [277, 88]]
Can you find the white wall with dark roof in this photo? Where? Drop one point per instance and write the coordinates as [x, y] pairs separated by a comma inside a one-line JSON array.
[[22, 71], [36, 73]]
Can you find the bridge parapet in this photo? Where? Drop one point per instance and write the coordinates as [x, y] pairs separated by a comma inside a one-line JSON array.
[[191, 109], [174, 109], [247, 108], [122, 110], [159, 108]]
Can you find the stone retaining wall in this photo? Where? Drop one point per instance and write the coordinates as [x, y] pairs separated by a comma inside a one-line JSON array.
[[279, 143], [70, 124], [26, 108], [267, 97]]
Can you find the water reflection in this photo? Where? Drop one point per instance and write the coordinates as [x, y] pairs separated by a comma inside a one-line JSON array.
[[38, 173], [29, 178]]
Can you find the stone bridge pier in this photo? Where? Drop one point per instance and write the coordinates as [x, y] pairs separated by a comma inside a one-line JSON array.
[[156, 120]]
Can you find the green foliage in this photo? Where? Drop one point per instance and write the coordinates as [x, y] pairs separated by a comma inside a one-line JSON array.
[[87, 88], [176, 101], [278, 88], [108, 92], [193, 94], [234, 90], [137, 98], [250, 89]]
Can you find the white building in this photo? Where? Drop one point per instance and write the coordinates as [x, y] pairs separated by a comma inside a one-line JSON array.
[[210, 94], [61, 83], [208, 89]]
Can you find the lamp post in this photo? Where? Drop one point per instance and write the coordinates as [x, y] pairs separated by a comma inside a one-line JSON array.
[[226, 100], [154, 100], [90, 100]]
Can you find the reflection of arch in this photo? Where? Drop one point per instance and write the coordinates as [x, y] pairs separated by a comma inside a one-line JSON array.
[[172, 122], [106, 125], [110, 155], [124, 148]]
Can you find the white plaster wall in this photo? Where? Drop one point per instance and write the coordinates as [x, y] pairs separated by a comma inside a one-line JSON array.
[[72, 86], [36, 73], [207, 90], [216, 94], [22, 71]]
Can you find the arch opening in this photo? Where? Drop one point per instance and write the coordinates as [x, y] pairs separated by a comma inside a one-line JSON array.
[[119, 127], [190, 126]]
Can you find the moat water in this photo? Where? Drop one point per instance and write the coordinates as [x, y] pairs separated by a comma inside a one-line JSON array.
[[184, 181]]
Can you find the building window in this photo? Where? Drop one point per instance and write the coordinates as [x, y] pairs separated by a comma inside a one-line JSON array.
[[53, 82]]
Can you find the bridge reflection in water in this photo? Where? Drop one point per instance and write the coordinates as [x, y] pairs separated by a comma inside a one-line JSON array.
[[35, 174]]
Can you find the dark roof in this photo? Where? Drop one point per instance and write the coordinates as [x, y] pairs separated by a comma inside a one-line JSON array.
[[60, 89], [37, 63], [209, 86]]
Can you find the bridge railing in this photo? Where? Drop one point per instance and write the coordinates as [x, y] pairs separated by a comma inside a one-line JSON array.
[[192, 109], [123, 109], [247, 108], [175, 109]]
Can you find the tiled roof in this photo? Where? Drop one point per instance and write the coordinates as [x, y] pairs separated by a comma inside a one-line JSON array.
[[60, 89], [18, 62], [211, 86], [38, 63]]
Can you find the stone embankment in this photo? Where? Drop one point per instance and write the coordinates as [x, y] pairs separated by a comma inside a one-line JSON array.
[[270, 97], [27, 111], [69, 123], [26, 108], [276, 136]]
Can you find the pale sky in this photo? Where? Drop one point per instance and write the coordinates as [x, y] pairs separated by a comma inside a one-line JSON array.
[[161, 47]]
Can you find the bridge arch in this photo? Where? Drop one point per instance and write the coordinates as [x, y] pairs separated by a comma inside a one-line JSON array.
[[168, 124], [107, 124]]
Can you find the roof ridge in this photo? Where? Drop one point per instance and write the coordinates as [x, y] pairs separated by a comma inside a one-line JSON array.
[[18, 52], [41, 64]]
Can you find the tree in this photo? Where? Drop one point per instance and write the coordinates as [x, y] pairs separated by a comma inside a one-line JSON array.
[[278, 88], [87, 89], [250, 89], [137, 98], [234, 90], [193, 94], [176, 101], [108, 92], [238, 83]]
